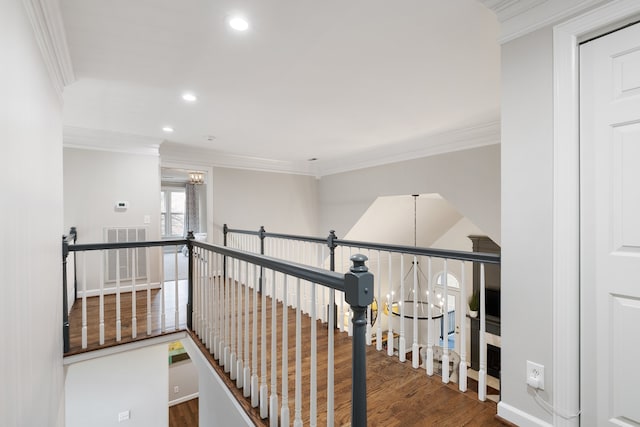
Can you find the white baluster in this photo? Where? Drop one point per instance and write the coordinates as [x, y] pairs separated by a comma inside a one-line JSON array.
[[232, 319], [84, 300], [239, 365], [462, 376], [134, 319], [227, 311], [482, 374], [101, 303], [298, 404], [247, 369], [215, 306], [390, 311], [429, 364], [255, 397], [313, 395], [402, 354], [148, 262], [341, 311], [368, 331], [264, 389], [163, 319], [349, 312], [176, 292], [323, 296], [330, 360], [445, 325], [273, 400], [118, 320], [284, 409], [415, 349], [379, 304]]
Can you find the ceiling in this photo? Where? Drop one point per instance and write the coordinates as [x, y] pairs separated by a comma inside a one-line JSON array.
[[324, 79]]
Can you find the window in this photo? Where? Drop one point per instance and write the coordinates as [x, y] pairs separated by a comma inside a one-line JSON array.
[[172, 209]]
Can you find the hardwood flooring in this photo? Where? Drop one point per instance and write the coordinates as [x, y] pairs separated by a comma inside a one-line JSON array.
[[397, 394], [184, 414]]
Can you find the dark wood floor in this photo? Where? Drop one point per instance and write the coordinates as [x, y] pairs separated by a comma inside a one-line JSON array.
[[397, 394], [184, 414]]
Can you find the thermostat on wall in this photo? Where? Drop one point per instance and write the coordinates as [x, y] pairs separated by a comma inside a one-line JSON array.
[[122, 205]]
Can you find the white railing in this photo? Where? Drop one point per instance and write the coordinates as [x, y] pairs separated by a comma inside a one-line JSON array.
[[225, 284], [125, 308], [411, 305]]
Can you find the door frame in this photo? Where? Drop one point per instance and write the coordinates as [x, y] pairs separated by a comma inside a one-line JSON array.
[[566, 201]]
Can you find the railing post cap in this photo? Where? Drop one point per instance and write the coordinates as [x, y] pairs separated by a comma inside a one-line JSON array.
[[225, 228], [358, 261], [331, 239], [190, 235]]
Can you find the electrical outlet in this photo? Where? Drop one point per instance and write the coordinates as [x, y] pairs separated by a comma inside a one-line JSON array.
[[176, 389], [535, 375], [123, 416]]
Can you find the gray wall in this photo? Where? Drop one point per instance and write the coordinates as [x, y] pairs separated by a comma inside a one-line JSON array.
[[31, 391], [283, 203], [469, 180], [93, 182], [527, 195]]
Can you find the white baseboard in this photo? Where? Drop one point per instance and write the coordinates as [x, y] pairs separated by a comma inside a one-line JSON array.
[[123, 289], [519, 417], [183, 399]]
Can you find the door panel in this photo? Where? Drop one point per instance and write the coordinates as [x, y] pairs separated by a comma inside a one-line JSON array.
[[610, 228]]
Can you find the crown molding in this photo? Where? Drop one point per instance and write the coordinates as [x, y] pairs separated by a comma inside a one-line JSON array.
[[454, 140], [520, 17], [48, 27], [103, 140], [175, 152]]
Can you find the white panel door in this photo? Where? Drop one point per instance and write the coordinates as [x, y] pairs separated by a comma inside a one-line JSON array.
[[610, 229]]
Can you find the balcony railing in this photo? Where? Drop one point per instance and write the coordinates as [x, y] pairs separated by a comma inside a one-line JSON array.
[[400, 280], [221, 285]]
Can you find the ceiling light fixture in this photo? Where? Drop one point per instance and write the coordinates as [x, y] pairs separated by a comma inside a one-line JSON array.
[[189, 97], [238, 23], [167, 129]]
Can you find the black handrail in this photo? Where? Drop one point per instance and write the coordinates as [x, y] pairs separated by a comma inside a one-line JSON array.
[[332, 241], [357, 284]]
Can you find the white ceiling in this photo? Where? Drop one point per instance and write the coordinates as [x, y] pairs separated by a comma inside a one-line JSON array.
[[324, 79]]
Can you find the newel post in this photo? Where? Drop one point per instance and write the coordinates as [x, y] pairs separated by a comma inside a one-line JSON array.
[[359, 294], [331, 243], [190, 238], [65, 306]]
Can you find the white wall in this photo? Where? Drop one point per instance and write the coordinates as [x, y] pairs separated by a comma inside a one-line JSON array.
[[527, 192], [183, 375], [283, 203], [93, 181], [97, 390], [31, 390], [469, 180], [216, 405]]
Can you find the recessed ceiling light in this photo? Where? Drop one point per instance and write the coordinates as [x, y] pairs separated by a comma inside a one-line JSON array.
[[189, 97], [167, 129], [238, 23]]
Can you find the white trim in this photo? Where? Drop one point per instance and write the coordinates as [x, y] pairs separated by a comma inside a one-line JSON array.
[[46, 20], [197, 356], [566, 208], [123, 289], [479, 135], [121, 348], [103, 140], [520, 17], [183, 399], [519, 417]]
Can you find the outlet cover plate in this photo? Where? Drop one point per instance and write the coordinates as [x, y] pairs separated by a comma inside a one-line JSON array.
[[536, 370]]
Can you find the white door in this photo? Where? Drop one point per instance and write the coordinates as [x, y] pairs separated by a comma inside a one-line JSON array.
[[610, 229]]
